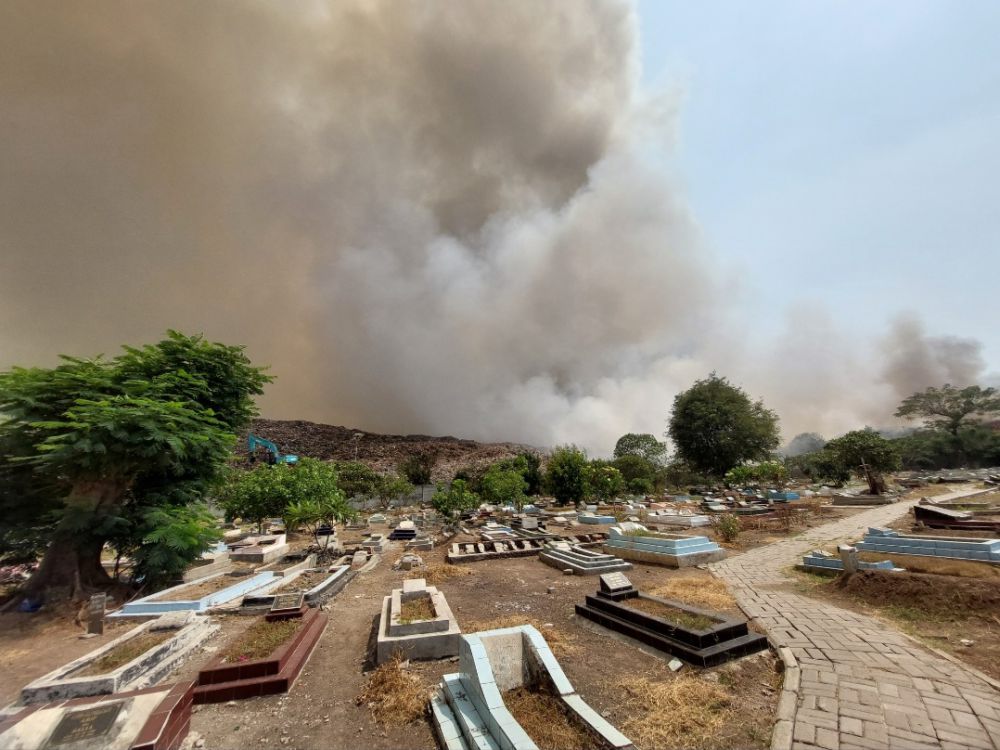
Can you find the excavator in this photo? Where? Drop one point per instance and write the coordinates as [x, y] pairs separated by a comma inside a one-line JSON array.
[[274, 456]]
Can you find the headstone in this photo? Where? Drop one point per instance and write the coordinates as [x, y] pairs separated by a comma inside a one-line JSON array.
[[413, 585], [83, 725], [614, 582], [95, 619], [849, 556]]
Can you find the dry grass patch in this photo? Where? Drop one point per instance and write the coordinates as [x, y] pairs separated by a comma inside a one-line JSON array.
[[698, 591], [560, 642], [416, 609], [124, 653], [438, 573], [393, 695], [541, 715], [684, 712], [260, 640]]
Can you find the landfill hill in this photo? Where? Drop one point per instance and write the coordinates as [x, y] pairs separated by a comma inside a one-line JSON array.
[[382, 452]]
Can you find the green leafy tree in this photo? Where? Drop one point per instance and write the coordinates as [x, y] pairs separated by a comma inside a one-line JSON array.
[[357, 479], [640, 475], [504, 485], [566, 474], [454, 499], [266, 491], [151, 427], [949, 408], [715, 426], [171, 536], [865, 453], [531, 470], [763, 473], [643, 445], [317, 512], [389, 487], [605, 481], [417, 468]]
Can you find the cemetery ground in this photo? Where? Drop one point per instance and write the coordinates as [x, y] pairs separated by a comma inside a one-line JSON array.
[[733, 708], [631, 685]]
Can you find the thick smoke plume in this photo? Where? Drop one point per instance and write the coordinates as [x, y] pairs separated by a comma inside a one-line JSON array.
[[434, 216]]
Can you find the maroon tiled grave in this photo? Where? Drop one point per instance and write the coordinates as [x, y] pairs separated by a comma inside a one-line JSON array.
[[165, 728], [220, 682]]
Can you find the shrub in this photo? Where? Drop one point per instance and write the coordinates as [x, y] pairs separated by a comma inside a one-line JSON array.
[[728, 526]]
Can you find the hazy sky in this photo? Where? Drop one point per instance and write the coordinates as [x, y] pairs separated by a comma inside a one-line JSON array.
[[459, 217], [843, 152]]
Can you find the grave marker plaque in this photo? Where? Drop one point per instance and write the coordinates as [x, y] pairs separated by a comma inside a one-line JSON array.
[[292, 600], [88, 724], [614, 582], [95, 619]]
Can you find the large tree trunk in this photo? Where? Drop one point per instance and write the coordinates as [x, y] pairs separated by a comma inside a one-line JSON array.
[[72, 562]]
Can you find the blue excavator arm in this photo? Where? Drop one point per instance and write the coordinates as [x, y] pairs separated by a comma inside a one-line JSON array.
[[253, 442]]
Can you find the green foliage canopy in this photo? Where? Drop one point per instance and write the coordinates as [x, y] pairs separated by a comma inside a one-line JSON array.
[[267, 490], [103, 440], [715, 426], [643, 445], [566, 474], [453, 499], [503, 484], [949, 408]]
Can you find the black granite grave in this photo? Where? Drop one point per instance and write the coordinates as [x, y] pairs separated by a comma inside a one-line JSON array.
[[728, 638]]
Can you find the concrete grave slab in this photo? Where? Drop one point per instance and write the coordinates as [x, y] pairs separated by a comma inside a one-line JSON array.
[[435, 638], [469, 710], [144, 670]]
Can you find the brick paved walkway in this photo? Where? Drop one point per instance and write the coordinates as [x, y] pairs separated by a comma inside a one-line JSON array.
[[861, 683]]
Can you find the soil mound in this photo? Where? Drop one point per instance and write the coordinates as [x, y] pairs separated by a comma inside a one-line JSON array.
[[381, 452], [937, 593]]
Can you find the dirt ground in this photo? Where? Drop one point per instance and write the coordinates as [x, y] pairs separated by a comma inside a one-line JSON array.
[[321, 712], [940, 610]]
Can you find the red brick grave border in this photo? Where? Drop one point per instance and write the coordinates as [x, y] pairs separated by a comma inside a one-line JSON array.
[[221, 681]]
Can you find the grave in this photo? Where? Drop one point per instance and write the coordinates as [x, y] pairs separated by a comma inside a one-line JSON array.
[[583, 562], [216, 560], [469, 712], [952, 548], [405, 530], [943, 517], [633, 541], [155, 604], [156, 718], [377, 518], [259, 550], [375, 543], [182, 633], [420, 543], [590, 518], [673, 518], [221, 681], [432, 638], [818, 561], [698, 636], [337, 577], [848, 500]]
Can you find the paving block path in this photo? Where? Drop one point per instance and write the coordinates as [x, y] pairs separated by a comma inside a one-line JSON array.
[[861, 683]]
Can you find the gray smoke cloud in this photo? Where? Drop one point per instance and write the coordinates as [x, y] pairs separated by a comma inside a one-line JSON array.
[[438, 217]]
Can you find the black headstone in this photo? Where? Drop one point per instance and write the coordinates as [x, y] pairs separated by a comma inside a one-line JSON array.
[[87, 724]]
